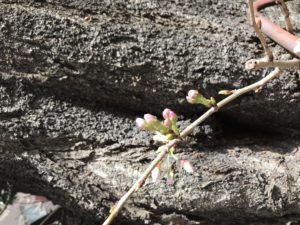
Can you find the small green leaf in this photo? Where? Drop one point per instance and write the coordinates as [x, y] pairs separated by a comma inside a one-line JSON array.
[[162, 129], [206, 102], [174, 127]]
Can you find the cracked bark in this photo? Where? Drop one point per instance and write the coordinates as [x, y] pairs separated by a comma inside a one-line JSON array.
[[73, 76]]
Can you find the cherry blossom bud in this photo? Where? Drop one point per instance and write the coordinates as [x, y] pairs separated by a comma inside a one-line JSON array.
[[166, 113], [193, 93], [167, 123], [150, 118], [192, 96], [141, 123], [153, 124], [156, 173], [172, 116], [186, 166], [169, 114]]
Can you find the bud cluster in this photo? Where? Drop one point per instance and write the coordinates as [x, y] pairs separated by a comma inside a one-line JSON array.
[[151, 123], [183, 164], [165, 130]]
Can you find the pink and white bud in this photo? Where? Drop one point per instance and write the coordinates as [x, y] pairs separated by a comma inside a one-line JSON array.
[[153, 124], [189, 99], [167, 123], [173, 116], [193, 93], [186, 166], [169, 114], [166, 113], [141, 123], [192, 96], [150, 118], [155, 174]]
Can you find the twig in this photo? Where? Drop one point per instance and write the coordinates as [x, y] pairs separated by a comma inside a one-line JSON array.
[[282, 64], [256, 23], [229, 99], [119, 205], [285, 12], [116, 209]]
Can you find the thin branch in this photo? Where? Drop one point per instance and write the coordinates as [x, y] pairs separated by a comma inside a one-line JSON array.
[[229, 99], [119, 205], [256, 26], [285, 12], [282, 64], [188, 130]]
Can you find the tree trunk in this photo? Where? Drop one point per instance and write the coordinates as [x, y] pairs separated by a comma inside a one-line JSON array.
[[74, 75]]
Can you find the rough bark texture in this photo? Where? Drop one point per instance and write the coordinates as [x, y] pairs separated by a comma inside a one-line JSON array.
[[75, 74]]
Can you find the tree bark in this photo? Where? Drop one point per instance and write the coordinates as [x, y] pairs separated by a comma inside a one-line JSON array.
[[75, 74]]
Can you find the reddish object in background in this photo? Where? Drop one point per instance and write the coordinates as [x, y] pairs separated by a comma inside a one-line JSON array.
[[275, 32]]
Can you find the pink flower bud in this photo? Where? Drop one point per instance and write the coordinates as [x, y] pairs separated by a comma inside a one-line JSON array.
[[167, 123], [169, 114], [166, 113], [150, 118], [189, 99], [153, 124], [192, 96], [186, 166], [141, 123], [156, 173], [193, 93], [172, 116]]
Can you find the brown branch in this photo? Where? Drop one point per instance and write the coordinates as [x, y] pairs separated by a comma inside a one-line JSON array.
[[282, 64], [188, 130], [285, 12], [139, 183], [256, 23]]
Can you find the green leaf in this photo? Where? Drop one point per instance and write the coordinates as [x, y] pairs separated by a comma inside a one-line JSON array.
[[162, 129], [174, 127], [206, 102]]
